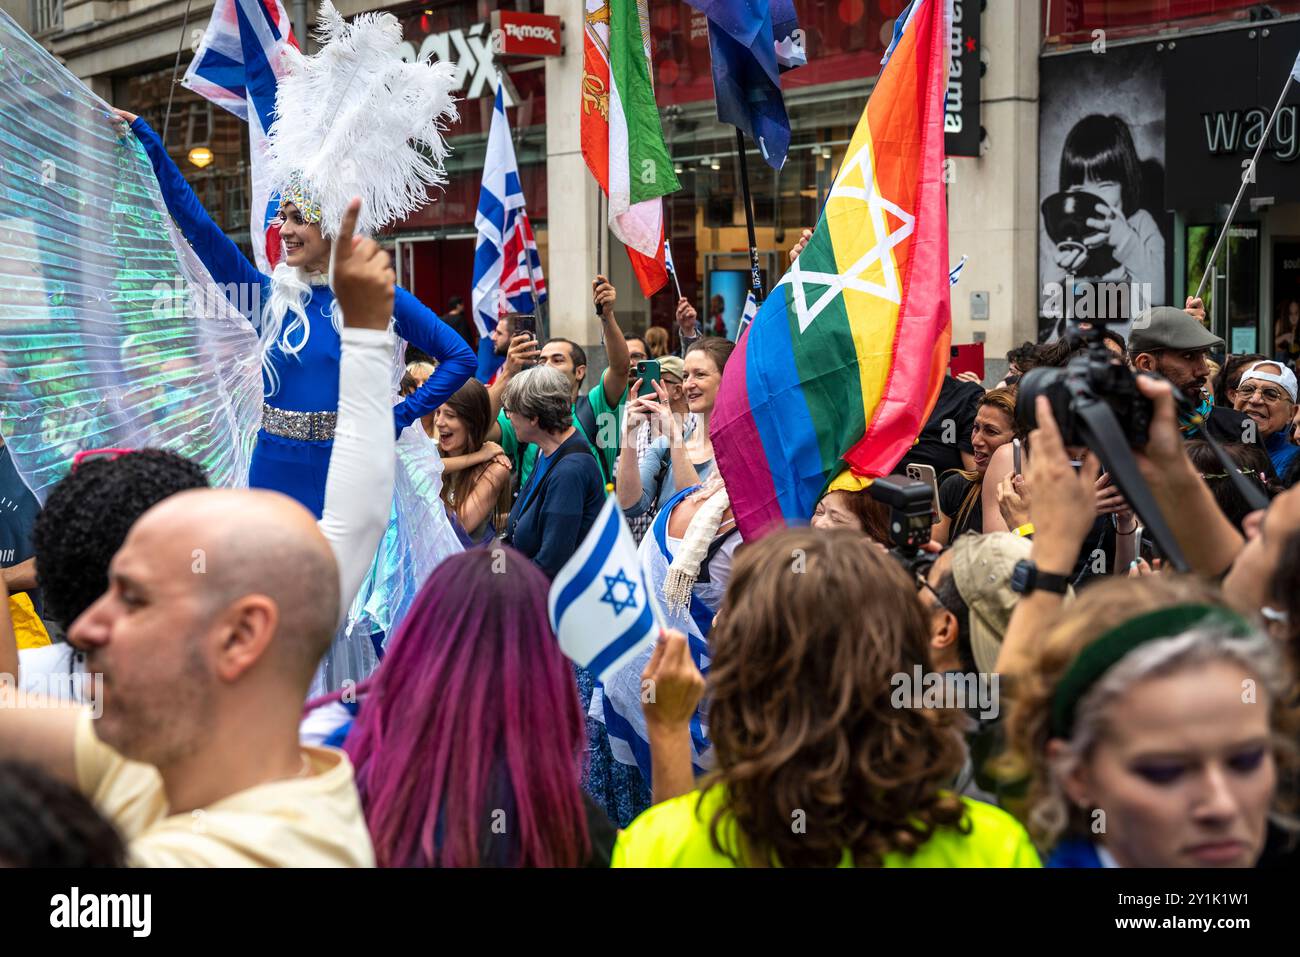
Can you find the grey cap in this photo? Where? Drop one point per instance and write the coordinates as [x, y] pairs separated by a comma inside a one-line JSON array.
[[1164, 327]]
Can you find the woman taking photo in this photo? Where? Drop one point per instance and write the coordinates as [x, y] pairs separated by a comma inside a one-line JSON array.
[[1154, 726], [960, 504], [841, 776], [676, 459], [449, 765], [560, 501]]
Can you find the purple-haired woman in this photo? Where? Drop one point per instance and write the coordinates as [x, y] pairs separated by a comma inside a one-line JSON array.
[[469, 741]]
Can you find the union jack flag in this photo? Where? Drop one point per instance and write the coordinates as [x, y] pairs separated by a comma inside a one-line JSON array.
[[507, 268], [237, 67]]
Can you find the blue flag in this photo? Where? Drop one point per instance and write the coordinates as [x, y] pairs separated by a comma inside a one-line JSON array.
[[790, 49], [746, 71], [599, 604]]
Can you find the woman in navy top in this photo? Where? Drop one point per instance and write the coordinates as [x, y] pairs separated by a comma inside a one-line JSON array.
[[561, 499], [293, 311]]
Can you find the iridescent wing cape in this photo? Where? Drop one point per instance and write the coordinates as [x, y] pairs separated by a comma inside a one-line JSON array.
[[112, 333]]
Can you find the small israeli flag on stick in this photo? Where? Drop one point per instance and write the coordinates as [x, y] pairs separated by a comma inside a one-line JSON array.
[[672, 269], [955, 272], [746, 317], [599, 605]]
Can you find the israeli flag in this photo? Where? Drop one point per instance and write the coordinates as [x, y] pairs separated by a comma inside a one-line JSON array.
[[955, 272], [599, 605], [746, 317]]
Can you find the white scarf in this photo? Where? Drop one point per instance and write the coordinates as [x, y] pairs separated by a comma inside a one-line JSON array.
[[685, 568]]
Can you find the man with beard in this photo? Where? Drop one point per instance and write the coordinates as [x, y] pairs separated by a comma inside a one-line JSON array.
[[1171, 343]]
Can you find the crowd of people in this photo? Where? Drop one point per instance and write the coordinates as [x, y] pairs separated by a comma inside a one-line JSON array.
[[1038, 685]]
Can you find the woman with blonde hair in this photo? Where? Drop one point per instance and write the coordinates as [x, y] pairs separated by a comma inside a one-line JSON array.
[[656, 340], [1153, 726], [818, 762]]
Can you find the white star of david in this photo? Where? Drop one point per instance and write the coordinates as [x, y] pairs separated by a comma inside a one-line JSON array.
[[881, 252]]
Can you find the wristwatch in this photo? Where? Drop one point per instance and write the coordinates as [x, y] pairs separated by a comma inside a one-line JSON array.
[[1027, 579]]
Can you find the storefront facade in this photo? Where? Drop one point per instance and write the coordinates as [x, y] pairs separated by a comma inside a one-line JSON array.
[[434, 247]]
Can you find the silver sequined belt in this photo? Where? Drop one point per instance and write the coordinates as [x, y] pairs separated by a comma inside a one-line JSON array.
[[303, 426]]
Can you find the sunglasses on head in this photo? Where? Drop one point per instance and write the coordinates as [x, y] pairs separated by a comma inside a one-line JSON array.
[[93, 453]]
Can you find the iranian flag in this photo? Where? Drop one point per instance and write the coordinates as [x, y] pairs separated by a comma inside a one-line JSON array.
[[622, 140]]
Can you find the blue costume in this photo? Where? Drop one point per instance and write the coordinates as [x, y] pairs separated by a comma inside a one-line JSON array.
[[308, 382]]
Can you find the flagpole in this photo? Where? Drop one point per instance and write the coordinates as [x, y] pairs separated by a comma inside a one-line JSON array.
[[516, 135], [171, 90], [600, 235], [755, 281], [1245, 181]]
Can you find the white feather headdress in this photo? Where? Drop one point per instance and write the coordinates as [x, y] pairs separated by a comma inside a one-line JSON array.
[[354, 120]]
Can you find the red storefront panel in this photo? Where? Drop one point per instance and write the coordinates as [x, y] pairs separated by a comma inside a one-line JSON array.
[[1073, 21]]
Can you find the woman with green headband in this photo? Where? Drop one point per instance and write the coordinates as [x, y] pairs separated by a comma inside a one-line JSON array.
[[1155, 725]]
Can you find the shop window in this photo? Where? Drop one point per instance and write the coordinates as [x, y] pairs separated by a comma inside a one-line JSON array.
[[1232, 294]]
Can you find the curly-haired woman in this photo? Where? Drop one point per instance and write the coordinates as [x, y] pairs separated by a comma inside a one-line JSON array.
[[1154, 726], [815, 765]]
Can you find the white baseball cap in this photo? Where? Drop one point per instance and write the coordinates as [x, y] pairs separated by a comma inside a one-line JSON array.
[[1286, 378]]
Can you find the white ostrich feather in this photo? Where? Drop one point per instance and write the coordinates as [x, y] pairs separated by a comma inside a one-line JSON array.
[[354, 120]]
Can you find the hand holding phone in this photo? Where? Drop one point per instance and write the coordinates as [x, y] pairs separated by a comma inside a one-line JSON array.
[[647, 371], [526, 325], [603, 295], [926, 474]]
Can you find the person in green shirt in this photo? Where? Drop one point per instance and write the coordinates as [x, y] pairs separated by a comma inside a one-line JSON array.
[[597, 414], [818, 761]]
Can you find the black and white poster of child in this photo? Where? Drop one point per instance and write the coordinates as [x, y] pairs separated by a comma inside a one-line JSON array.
[[1103, 233]]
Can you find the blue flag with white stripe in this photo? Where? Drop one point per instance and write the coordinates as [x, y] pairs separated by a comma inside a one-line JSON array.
[[599, 605]]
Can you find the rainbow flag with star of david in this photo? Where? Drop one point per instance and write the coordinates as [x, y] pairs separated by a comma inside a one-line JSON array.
[[844, 361]]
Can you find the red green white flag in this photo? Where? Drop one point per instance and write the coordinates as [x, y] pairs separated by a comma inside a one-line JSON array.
[[622, 139]]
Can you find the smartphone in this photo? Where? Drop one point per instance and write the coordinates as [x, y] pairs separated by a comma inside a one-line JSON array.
[[926, 474], [647, 370], [968, 358], [525, 324], [1015, 456]]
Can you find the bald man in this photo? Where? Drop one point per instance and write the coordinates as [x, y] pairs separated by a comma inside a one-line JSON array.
[[220, 604]]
